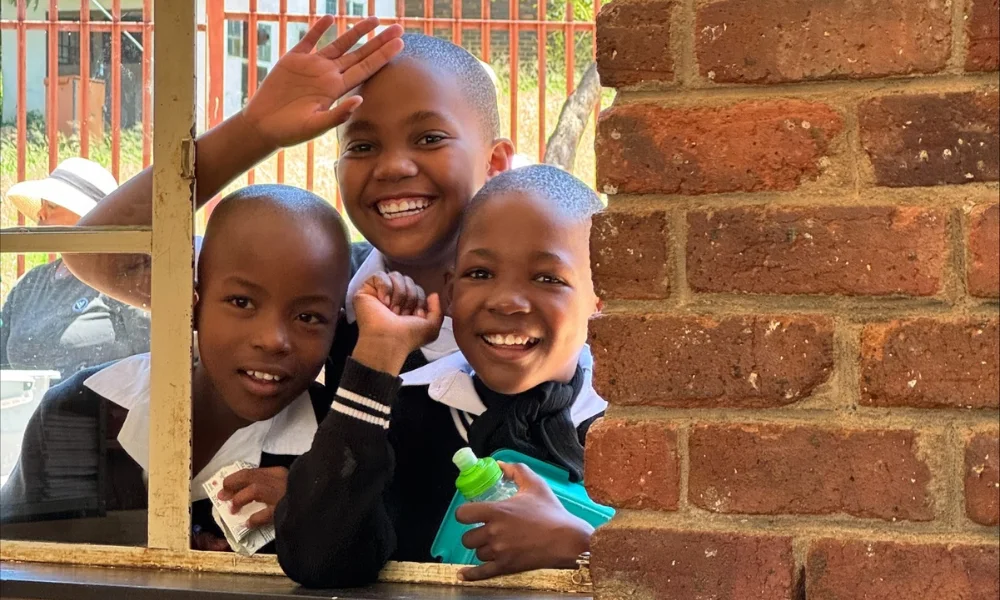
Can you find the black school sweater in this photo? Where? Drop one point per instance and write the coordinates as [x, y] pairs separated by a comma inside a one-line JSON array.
[[367, 492], [71, 433]]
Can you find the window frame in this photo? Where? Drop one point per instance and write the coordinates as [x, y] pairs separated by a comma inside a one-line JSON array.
[[169, 243]]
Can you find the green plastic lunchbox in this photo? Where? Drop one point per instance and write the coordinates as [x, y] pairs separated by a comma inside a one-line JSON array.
[[447, 546]]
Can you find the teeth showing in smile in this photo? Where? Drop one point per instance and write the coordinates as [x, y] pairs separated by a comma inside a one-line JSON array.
[[395, 209], [501, 340], [262, 376]]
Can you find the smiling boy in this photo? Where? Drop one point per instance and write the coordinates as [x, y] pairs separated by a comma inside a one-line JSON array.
[[377, 482], [271, 277]]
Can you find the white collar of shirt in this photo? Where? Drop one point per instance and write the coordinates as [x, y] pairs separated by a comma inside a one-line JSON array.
[[449, 382], [126, 383], [375, 263]]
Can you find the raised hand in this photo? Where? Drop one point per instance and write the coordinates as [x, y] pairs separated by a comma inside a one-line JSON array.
[[394, 319], [293, 103]]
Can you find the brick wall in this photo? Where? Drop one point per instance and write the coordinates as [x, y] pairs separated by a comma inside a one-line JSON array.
[[800, 267]]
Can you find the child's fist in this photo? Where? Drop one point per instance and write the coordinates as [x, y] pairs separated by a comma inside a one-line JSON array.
[[394, 318]]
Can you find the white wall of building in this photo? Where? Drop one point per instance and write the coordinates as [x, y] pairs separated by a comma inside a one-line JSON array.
[[37, 51]]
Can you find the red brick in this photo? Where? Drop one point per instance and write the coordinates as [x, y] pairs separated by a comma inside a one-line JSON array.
[[926, 363], [685, 565], [621, 59], [629, 255], [795, 40], [835, 250], [983, 29], [932, 139], [850, 569], [751, 146], [982, 478], [700, 362], [774, 469], [984, 252], [633, 464]]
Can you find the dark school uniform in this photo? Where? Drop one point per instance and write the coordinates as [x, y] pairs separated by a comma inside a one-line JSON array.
[[66, 462], [378, 480], [365, 262]]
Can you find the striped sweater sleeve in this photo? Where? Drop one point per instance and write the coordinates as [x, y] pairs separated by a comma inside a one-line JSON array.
[[333, 527]]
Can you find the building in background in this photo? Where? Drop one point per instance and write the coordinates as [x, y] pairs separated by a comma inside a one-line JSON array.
[[236, 63]]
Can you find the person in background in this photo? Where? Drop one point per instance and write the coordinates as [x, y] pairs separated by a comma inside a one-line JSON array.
[[51, 320]]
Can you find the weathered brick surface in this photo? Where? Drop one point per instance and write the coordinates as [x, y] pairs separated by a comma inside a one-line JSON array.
[[680, 565], [621, 60], [927, 363], [849, 570], [795, 40], [745, 362], [750, 146], [983, 257], [633, 464], [835, 250], [932, 139], [773, 469], [983, 29], [628, 253], [982, 478]]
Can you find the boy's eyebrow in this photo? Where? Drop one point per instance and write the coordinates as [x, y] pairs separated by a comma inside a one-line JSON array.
[[244, 282], [482, 252], [423, 115], [258, 288], [536, 255], [361, 125], [310, 298], [546, 255]]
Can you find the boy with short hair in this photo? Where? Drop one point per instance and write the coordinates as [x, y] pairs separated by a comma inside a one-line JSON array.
[[377, 482], [272, 275], [422, 142]]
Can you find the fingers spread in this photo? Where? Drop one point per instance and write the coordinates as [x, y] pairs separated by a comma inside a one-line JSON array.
[[309, 40], [345, 42]]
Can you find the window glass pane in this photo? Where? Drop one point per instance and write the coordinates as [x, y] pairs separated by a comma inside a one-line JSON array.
[[86, 97], [264, 43], [73, 408]]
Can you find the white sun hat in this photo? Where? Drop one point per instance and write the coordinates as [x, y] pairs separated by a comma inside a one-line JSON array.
[[77, 185]]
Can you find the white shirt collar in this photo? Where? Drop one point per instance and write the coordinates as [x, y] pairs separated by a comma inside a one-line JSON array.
[[375, 263], [126, 383], [449, 382]]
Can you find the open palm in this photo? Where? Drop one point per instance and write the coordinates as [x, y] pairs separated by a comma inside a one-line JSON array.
[[293, 103]]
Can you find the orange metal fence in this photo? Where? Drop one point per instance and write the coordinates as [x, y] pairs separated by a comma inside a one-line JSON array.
[[546, 17]]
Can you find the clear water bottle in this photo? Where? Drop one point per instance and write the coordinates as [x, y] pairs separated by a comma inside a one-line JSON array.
[[480, 479]]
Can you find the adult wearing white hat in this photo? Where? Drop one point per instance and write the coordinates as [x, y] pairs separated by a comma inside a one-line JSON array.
[[52, 320]]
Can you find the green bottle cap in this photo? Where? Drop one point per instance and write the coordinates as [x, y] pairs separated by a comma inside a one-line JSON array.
[[477, 475]]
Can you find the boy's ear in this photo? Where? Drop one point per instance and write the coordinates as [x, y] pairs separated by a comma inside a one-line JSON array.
[[448, 292], [501, 158], [598, 308]]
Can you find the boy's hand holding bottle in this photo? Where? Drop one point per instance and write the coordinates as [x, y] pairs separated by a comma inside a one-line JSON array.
[[394, 319], [530, 530]]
